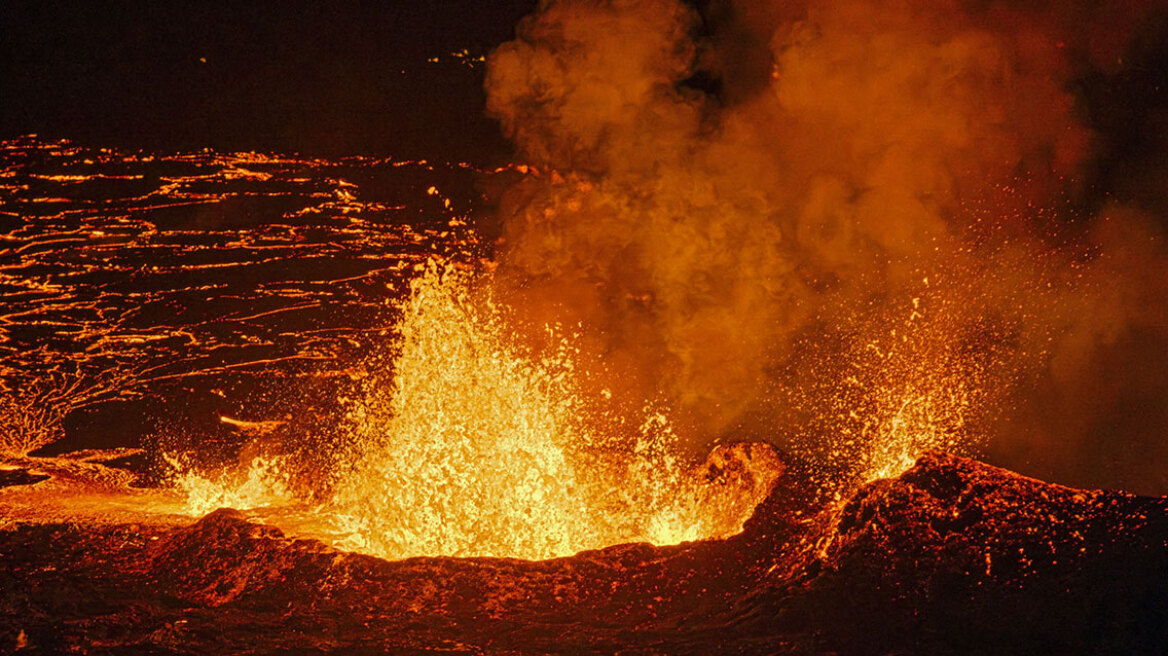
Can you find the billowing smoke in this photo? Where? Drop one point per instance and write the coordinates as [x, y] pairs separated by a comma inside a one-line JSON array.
[[732, 203]]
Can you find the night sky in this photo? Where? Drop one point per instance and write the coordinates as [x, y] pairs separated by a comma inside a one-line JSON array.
[[325, 78], [354, 77]]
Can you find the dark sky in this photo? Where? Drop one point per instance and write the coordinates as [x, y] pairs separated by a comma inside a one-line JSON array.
[[319, 77], [350, 77]]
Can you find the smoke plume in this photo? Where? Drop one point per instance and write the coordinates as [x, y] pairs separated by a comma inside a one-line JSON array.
[[739, 201]]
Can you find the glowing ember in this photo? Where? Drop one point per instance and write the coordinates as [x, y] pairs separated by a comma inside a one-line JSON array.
[[475, 448], [903, 386]]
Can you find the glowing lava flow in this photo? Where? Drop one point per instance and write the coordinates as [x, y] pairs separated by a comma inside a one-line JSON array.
[[475, 448]]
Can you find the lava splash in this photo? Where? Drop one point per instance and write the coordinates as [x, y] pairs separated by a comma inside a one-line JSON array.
[[471, 447]]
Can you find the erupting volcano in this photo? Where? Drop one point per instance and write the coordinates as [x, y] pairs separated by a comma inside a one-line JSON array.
[[627, 326]]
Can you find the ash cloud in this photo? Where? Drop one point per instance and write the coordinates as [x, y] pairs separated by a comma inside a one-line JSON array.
[[719, 193]]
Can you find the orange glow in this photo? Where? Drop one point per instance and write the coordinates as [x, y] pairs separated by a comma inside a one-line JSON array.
[[901, 388], [262, 483], [474, 447]]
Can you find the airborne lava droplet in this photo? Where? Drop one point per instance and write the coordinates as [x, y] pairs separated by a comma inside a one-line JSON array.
[[473, 447]]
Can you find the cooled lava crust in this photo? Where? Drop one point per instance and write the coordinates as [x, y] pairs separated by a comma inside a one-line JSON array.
[[954, 556]]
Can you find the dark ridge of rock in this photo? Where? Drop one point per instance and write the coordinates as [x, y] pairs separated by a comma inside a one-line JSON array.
[[953, 557], [592, 596], [956, 556], [223, 557]]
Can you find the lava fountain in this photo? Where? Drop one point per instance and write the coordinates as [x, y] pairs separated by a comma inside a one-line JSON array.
[[465, 444]]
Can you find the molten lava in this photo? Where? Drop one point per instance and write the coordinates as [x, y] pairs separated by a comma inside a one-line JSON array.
[[473, 447]]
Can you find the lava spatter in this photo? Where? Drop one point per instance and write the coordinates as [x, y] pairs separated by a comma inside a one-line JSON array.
[[465, 445]]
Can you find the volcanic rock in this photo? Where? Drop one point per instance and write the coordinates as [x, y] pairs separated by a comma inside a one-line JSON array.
[[954, 556]]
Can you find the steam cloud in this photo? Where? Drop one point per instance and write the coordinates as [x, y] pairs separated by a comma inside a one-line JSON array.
[[725, 200]]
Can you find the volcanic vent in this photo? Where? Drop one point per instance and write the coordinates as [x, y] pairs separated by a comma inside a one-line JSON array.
[[471, 448]]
